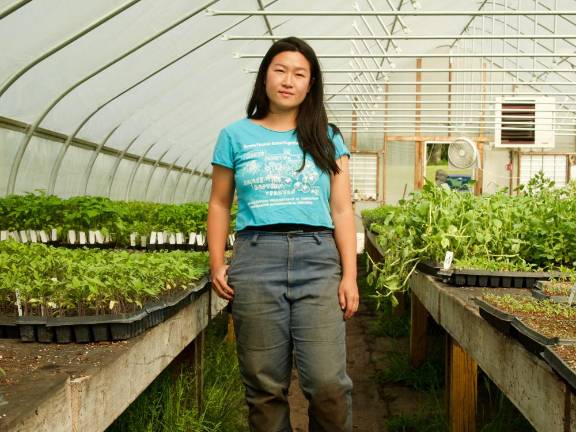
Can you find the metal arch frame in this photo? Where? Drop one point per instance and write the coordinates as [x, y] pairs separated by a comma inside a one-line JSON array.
[[26, 139], [114, 168], [154, 167], [91, 162], [13, 8], [64, 44], [408, 37], [165, 179], [56, 167], [159, 118], [399, 13], [180, 175], [134, 171]]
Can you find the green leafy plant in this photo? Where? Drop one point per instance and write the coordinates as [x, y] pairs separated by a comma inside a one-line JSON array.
[[534, 230], [63, 282]]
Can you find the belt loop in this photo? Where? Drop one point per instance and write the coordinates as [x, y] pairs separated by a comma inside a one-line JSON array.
[[254, 239], [317, 238]]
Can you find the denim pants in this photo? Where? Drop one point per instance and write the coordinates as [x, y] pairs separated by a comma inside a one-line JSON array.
[[286, 306]]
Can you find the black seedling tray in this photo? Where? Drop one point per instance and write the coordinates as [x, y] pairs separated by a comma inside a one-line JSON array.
[[532, 340], [9, 327], [560, 366], [428, 267], [97, 328], [500, 320], [538, 294], [493, 279]]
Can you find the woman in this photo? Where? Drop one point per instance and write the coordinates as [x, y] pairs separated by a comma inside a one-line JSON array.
[[292, 278]]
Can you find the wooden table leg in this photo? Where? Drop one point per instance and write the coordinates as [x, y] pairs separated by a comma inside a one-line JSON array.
[[419, 324], [461, 388]]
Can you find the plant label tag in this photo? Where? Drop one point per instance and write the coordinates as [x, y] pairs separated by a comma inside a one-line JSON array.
[[172, 239], [99, 237], [231, 239], [133, 237], [33, 236], [54, 234], [14, 235], [43, 237], [448, 260], [199, 239], [153, 238], [23, 237], [160, 237], [72, 237], [572, 294], [192, 239], [179, 238], [3, 235], [82, 235], [18, 302], [91, 237], [143, 241]]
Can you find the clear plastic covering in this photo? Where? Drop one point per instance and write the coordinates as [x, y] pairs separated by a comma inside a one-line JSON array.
[[126, 98]]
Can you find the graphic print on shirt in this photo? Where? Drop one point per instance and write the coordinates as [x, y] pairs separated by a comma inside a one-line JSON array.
[[270, 169]]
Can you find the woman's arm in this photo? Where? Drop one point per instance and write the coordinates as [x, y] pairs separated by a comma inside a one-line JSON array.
[[345, 236], [219, 205]]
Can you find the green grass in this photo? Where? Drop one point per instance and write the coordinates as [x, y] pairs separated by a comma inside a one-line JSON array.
[[168, 404], [431, 171]]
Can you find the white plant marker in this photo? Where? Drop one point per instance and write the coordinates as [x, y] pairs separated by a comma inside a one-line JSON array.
[[91, 237], [192, 239], [448, 260], [179, 238], [43, 236], [99, 237], [572, 294], [153, 238], [72, 237], [82, 237], [18, 302], [3, 235], [33, 236], [133, 239], [23, 237], [54, 234]]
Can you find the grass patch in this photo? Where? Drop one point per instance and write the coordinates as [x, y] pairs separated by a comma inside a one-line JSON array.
[[428, 377], [433, 422], [168, 404]]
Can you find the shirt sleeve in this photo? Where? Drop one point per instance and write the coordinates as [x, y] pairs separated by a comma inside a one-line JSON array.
[[341, 149], [223, 152]]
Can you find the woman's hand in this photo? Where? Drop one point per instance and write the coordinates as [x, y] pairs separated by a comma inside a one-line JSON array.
[[348, 297], [220, 282]]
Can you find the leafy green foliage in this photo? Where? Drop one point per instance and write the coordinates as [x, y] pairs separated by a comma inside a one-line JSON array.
[[37, 211], [535, 229], [63, 282]]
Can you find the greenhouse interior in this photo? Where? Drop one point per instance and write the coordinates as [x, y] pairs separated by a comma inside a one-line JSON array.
[[459, 122]]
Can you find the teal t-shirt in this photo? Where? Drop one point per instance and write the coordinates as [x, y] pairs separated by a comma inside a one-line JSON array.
[[269, 188]]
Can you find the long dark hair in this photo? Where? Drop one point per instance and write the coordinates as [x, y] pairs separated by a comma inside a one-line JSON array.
[[312, 123]]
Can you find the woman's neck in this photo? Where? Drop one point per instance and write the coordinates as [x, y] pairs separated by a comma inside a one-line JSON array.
[[280, 121]]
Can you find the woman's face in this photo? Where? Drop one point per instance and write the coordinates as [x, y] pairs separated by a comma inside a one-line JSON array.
[[287, 81]]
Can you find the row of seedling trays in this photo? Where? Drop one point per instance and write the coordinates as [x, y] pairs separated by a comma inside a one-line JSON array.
[[94, 238], [98, 328], [486, 278], [551, 337]]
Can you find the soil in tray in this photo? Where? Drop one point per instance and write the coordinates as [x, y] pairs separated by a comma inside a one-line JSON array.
[[545, 317], [566, 353], [556, 288]]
